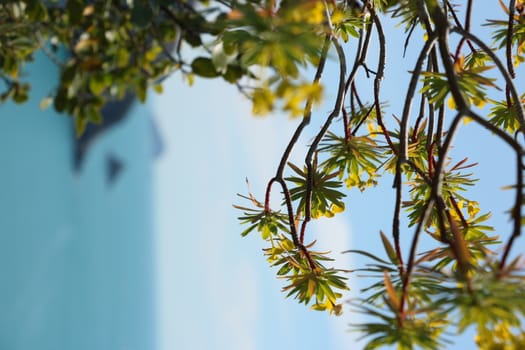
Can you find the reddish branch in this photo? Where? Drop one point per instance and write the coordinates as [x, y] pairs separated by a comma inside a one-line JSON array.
[[315, 143], [279, 176]]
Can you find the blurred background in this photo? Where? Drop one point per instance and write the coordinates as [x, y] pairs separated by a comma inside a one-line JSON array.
[[126, 238]]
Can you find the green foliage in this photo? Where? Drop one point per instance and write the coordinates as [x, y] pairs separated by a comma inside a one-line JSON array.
[[309, 281], [424, 318], [470, 78], [106, 49], [500, 34], [356, 159], [500, 336], [467, 277], [412, 300], [504, 115], [267, 222], [325, 200]]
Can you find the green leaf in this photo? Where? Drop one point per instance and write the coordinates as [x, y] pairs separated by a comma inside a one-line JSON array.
[[153, 53], [122, 57], [389, 249], [142, 14], [204, 67], [233, 73], [61, 100], [80, 125], [68, 74], [192, 38], [93, 114], [97, 84], [36, 10], [20, 96], [74, 9], [142, 89], [158, 88]]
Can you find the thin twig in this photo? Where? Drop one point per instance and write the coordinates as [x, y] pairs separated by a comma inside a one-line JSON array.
[[379, 77], [284, 158], [458, 23], [307, 111], [403, 138], [413, 250], [421, 114], [42, 44], [516, 211], [315, 143], [440, 127], [430, 126], [510, 34]]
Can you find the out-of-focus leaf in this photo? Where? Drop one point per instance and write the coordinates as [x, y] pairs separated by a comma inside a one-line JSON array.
[[204, 67]]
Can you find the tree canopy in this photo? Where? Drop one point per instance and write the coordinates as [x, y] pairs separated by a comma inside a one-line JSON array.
[[269, 49]]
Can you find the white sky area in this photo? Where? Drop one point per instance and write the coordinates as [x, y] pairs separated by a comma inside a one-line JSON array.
[[215, 289]]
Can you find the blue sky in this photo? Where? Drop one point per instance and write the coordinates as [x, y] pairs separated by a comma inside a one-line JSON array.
[[229, 292], [215, 289]]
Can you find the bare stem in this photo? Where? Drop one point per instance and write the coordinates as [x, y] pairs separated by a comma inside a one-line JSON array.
[[510, 34], [315, 143]]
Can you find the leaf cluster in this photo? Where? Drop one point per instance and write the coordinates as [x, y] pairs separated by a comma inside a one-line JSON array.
[[414, 298], [309, 281], [107, 49]]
